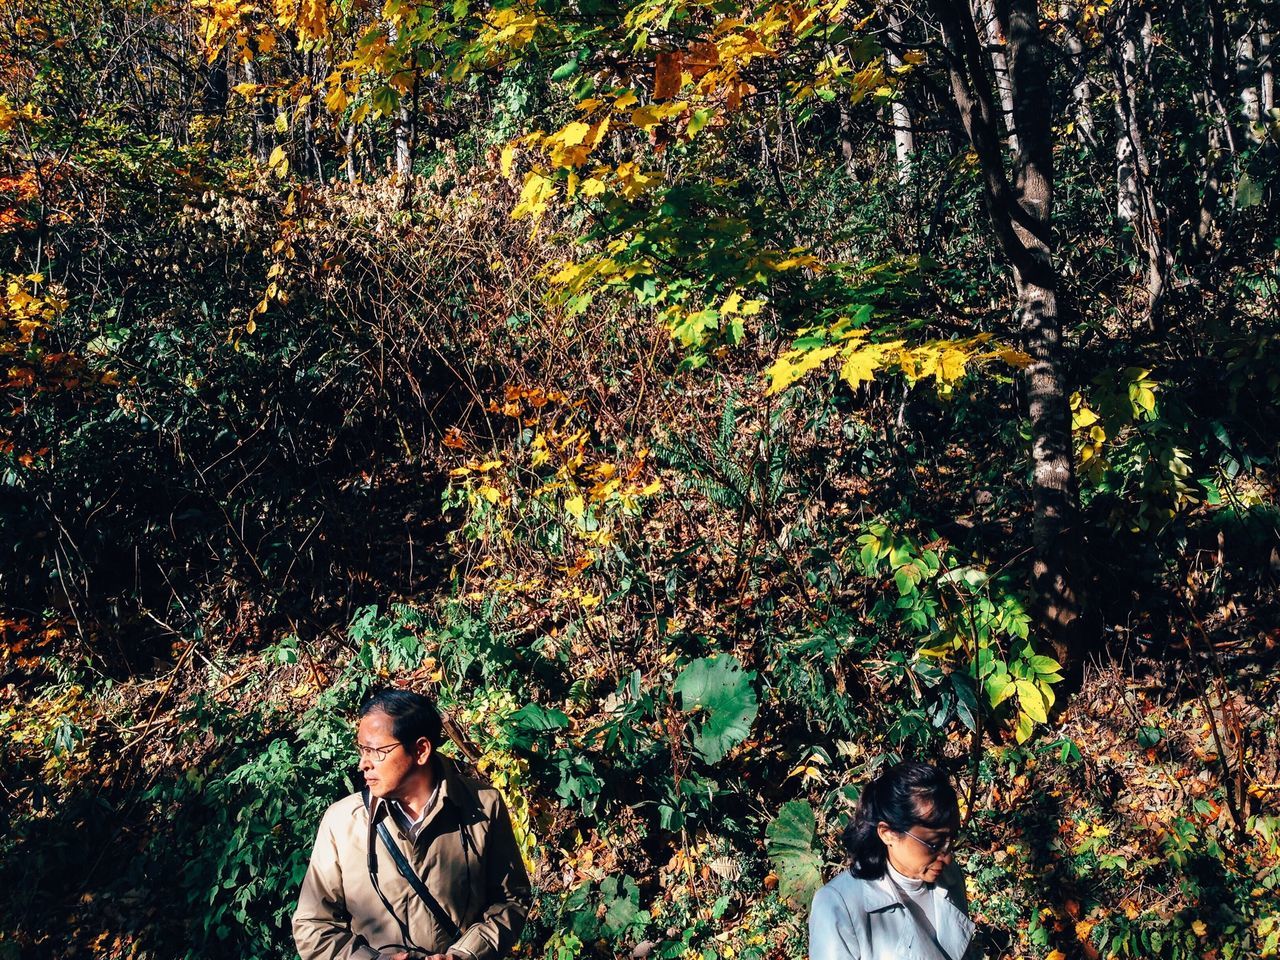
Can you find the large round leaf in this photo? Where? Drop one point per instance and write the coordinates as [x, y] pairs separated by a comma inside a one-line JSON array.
[[789, 840], [718, 687]]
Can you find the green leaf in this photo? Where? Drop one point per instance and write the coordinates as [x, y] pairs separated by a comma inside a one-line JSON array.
[[566, 69], [999, 688], [789, 841], [528, 724], [718, 686], [699, 120], [1045, 665], [385, 101], [1248, 193], [622, 906]]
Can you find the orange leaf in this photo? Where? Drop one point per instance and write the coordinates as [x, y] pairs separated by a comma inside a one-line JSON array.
[[667, 75]]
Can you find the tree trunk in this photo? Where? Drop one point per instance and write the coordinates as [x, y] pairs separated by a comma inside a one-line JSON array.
[[260, 132], [217, 90], [904, 138], [846, 142], [402, 121], [349, 148], [1081, 88], [1267, 79], [1021, 207], [992, 31], [404, 162], [1124, 66], [1247, 80], [1136, 200], [404, 150]]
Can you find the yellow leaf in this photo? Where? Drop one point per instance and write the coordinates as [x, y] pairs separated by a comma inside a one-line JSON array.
[[1083, 417], [951, 365], [626, 100], [489, 493], [861, 361], [573, 134], [508, 157], [646, 118], [1200, 929], [277, 157], [597, 132], [575, 506], [535, 196], [1015, 358], [793, 365]]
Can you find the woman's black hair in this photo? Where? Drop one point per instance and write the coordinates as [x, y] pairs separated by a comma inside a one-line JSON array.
[[903, 796], [413, 716]]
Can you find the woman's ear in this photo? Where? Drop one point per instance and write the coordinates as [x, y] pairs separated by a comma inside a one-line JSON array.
[[885, 833]]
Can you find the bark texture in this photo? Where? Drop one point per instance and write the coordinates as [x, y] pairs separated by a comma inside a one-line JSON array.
[[1020, 200]]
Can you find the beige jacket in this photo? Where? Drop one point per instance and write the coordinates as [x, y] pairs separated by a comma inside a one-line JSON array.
[[466, 854]]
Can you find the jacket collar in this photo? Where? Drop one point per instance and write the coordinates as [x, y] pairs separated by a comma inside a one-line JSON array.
[[882, 894], [453, 789], [952, 926]]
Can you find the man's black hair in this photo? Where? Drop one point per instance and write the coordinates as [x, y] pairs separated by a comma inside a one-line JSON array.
[[413, 716]]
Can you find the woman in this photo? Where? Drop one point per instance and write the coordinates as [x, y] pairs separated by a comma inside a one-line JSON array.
[[901, 898]]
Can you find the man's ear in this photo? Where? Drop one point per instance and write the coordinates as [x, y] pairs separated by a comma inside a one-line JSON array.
[[423, 751]]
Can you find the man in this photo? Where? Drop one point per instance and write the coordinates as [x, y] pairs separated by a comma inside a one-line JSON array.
[[422, 863]]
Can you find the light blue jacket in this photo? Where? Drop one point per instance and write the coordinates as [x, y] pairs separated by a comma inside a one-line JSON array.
[[854, 919]]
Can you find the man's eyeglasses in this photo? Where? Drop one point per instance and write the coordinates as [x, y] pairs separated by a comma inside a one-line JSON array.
[[378, 754], [937, 849]]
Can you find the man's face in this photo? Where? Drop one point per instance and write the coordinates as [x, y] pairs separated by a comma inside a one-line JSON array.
[[401, 763]]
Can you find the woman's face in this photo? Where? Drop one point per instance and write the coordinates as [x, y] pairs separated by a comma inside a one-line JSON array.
[[922, 852]]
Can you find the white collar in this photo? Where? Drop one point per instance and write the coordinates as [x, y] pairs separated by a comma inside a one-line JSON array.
[[912, 886]]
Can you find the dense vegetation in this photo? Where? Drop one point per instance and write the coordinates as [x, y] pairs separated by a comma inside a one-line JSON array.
[[704, 402]]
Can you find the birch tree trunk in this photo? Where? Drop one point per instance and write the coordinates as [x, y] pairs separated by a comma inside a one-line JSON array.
[[904, 139], [1124, 67], [349, 148], [1136, 200], [402, 153], [990, 30], [1266, 81], [1247, 79], [1081, 88]]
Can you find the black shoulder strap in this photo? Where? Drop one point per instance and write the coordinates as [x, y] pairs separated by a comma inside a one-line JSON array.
[[445, 921]]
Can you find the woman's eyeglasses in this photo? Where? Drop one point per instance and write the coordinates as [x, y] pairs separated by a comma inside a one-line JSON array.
[[937, 849], [377, 753]]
